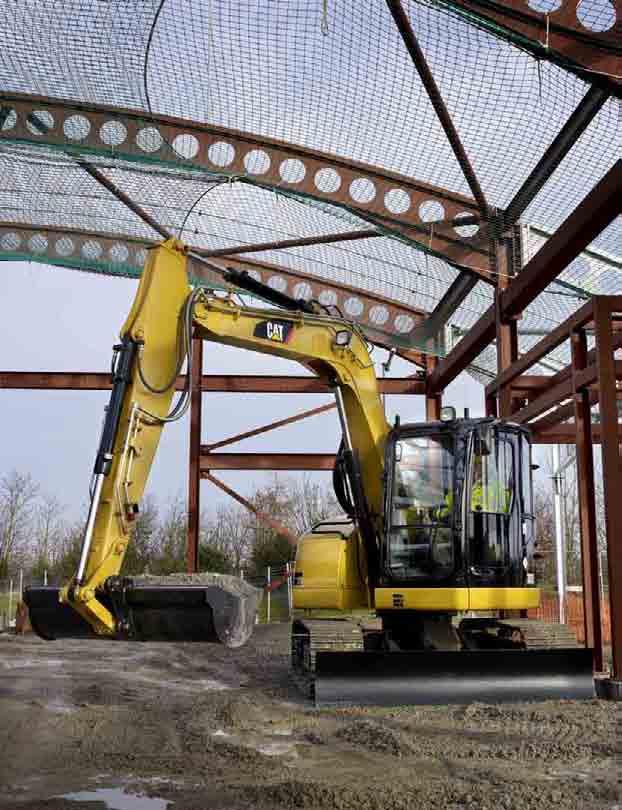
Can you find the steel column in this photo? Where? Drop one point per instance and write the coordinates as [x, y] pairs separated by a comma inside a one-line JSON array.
[[194, 466], [433, 401], [612, 472], [587, 506], [507, 337]]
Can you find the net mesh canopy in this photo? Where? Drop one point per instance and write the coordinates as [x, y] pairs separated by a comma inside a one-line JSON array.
[[234, 122]]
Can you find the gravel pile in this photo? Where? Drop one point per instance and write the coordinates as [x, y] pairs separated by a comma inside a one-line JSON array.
[[234, 585]]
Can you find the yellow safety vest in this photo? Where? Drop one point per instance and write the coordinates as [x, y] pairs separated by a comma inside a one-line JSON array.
[[492, 498]]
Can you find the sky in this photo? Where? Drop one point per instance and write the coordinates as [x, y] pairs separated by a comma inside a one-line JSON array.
[[54, 319]]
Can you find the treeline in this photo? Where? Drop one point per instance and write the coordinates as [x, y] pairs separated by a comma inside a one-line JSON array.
[[36, 538]]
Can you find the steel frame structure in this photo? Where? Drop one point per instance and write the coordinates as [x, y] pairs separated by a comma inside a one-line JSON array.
[[546, 403]]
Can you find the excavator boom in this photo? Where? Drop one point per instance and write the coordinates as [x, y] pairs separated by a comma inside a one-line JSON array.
[[155, 341]]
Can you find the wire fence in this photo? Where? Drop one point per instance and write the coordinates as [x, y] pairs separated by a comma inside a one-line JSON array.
[[574, 611], [275, 606], [277, 602], [11, 590]]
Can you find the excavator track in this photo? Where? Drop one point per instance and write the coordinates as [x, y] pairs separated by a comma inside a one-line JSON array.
[[331, 666], [320, 635], [540, 635]]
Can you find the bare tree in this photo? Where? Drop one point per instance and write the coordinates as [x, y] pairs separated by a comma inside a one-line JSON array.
[[18, 493], [170, 540], [48, 533], [228, 530], [311, 501], [544, 514], [140, 551]]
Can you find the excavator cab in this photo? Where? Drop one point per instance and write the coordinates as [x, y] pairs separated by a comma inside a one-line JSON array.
[[458, 506]]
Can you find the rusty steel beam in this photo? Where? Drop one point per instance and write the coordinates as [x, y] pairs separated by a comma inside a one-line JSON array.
[[416, 54], [455, 295], [594, 213], [543, 347], [480, 335], [266, 461], [235, 383], [561, 414], [548, 399], [612, 471], [104, 181], [262, 516], [587, 504], [526, 385], [258, 247], [194, 466], [556, 35], [567, 434], [444, 240], [209, 448], [433, 401]]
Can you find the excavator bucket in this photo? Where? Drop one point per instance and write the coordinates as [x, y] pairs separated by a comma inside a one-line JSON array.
[[222, 613], [439, 677]]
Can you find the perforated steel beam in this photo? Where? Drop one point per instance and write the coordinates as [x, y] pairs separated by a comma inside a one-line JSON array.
[[387, 199], [567, 34], [120, 255]]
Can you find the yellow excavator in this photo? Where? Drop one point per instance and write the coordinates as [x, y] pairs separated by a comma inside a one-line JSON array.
[[418, 594]]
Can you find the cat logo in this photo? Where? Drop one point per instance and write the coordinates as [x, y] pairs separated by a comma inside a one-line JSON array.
[[276, 331]]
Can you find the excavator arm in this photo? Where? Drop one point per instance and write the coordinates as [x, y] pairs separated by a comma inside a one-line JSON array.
[[155, 341], [145, 367]]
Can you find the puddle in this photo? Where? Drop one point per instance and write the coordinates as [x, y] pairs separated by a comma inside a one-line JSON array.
[[268, 748], [117, 799], [276, 749]]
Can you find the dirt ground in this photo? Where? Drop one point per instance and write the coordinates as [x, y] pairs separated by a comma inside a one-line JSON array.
[[205, 728]]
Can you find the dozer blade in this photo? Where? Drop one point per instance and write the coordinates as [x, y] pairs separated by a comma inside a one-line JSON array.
[[154, 613], [439, 677]]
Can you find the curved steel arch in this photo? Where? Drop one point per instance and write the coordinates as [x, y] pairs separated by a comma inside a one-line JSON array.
[[394, 202], [559, 35], [120, 255]]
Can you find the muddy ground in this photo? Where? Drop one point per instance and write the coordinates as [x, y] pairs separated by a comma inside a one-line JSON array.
[[203, 728]]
